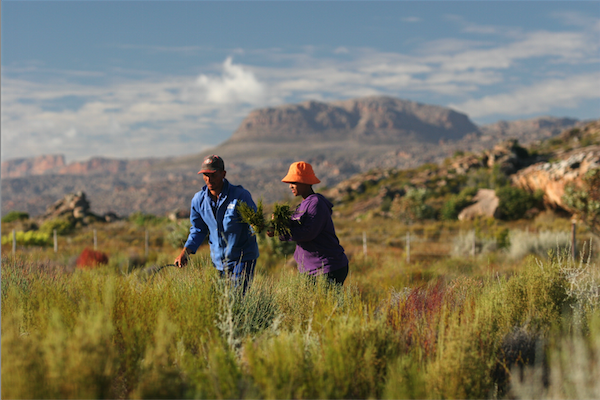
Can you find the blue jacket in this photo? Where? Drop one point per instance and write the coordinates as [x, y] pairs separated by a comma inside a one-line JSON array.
[[231, 241]]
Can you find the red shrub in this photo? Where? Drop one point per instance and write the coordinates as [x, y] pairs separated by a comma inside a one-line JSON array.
[[90, 258]]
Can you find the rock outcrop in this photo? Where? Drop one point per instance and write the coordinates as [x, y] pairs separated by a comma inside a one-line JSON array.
[[486, 205], [75, 207], [509, 156], [543, 127], [553, 177]]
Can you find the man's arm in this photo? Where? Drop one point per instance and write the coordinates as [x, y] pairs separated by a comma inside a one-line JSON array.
[[182, 259], [198, 232]]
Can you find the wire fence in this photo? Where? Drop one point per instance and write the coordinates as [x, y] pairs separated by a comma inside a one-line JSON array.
[[468, 243], [94, 241]]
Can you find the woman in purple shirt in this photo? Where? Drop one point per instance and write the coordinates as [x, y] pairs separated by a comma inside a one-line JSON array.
[[318, 250]]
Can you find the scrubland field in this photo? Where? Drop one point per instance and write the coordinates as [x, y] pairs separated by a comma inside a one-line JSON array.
[[483, 309]]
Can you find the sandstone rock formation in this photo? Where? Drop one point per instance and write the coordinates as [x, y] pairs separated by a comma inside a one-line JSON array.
[[75, 206], [509, 156], [486, 205], [55, 164], [32, 166], [552, 177], [543, 127]]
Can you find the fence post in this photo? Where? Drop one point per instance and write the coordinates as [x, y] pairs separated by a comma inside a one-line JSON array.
[[408, 247], [55, 241], [14, 246], [573, 239], [365, 243], [95, 240], [146, 244]]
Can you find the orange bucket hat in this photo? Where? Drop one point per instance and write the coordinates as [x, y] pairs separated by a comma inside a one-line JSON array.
[[301, 172]]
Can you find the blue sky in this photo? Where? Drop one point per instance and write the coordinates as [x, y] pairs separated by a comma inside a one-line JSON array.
[[155, 78]]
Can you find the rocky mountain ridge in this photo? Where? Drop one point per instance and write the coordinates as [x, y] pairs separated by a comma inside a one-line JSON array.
[[375, 119], [159, 186]]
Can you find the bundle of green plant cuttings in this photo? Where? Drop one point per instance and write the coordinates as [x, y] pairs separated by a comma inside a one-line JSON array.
[[254, 218], [279, 223]]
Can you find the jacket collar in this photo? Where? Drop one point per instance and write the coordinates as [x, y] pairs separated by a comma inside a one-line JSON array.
[[224, 191]]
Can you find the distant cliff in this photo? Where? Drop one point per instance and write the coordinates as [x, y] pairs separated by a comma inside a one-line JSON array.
[[55, 165], [374, 119], [32, 166]]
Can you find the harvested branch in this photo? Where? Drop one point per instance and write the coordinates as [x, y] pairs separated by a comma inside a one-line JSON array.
[[281, 219], [254, 218]]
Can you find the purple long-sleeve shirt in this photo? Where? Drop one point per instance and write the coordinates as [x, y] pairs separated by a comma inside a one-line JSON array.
[[318, 250]]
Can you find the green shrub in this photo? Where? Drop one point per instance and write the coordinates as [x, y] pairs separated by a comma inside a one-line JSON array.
[[142, 219], [13, 216], [456, 203], [515, 202], [62, 226], [585, 200], [178, 233], [412, 207], [30, 238]]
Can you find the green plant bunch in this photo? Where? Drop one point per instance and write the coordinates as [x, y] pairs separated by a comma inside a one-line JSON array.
[[254, 218], [280, 221]]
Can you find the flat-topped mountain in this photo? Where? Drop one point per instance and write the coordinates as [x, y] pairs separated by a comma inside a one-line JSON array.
[[373, 120]]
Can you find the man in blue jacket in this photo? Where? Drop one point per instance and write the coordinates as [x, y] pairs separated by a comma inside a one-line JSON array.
[[233, 247]]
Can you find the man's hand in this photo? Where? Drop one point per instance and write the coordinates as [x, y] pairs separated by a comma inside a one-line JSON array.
[[182, 259]]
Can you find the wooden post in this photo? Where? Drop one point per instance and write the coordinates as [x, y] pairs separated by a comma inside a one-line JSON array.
[[365, 244], [408, 247], [14, 246], [55, 241], [95, 240], [573, 239]]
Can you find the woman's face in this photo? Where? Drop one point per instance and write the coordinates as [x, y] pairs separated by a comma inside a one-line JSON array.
[[300, 189]]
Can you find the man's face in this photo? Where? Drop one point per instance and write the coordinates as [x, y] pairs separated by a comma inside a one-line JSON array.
[[214, 181]]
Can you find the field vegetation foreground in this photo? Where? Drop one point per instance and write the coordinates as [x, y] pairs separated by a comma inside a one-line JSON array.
[[459, 326]]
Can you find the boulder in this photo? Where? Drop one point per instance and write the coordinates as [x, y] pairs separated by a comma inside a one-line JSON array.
[[76, 207], [486, 205]]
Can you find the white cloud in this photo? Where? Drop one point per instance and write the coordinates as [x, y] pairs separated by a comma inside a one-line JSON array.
[[539, 98], [236, 85]]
